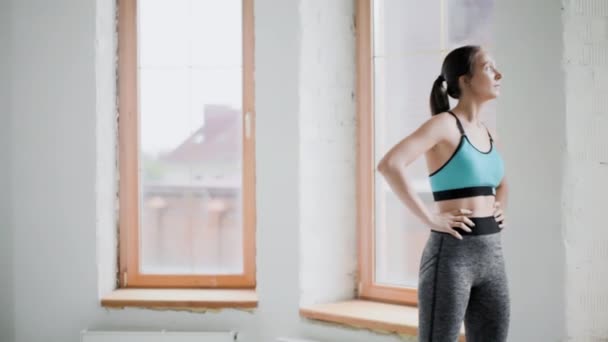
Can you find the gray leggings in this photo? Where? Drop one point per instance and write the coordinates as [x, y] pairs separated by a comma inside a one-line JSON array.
[[464, 280]]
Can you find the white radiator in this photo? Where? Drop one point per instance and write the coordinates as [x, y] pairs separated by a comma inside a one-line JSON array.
[[156, 336], [291, 339]]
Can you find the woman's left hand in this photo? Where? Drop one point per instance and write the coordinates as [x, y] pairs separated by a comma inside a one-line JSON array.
[[499, 215]]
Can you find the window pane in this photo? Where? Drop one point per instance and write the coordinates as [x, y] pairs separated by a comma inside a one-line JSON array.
[[190, 91], [407, 59], [401, 106]]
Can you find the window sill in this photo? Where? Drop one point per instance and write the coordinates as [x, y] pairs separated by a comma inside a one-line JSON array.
[[185, 299], [375, 316]]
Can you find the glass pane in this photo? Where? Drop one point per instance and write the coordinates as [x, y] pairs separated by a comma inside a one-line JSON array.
[[190, 85], [407, 59], [401, 106]]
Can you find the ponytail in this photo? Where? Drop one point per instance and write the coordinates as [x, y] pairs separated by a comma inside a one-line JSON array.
[[458, 62], [439, 97]]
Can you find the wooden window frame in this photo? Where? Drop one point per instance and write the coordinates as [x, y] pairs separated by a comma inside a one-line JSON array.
[[368, 289], [128, 131]]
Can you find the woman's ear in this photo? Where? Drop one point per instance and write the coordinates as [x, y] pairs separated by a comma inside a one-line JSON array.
[[463, 81]]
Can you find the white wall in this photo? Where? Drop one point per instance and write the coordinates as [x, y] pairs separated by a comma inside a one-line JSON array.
[[586, 169], [53, 162], [327, 150], [6, 235], [531, 126]]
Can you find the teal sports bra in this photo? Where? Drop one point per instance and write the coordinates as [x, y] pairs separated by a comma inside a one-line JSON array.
[[468, 172]]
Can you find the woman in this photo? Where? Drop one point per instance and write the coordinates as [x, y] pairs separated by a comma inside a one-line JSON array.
[[462, 273]]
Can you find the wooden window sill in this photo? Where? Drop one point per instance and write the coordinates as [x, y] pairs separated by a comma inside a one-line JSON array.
[[380, 317], [187, 299]]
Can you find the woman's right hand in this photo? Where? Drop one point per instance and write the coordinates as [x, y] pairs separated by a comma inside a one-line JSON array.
[[447, 221]]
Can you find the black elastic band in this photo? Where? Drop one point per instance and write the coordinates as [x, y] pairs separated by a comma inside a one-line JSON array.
[[463, 193], [489, 135], [460, 128], [483, 226]]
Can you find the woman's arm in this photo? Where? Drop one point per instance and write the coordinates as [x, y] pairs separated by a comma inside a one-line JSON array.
[[502, 191], [392, 166]]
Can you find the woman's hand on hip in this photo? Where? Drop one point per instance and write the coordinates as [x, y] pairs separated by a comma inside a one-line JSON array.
[[499, 215], [447, 221]]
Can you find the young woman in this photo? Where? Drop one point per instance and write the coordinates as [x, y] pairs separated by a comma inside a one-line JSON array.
[[462, 274]]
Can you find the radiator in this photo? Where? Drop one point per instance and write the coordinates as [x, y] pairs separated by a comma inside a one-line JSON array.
[[157, 336], [292, 339]]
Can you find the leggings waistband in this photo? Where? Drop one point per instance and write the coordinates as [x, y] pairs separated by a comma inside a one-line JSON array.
[[483, 226]]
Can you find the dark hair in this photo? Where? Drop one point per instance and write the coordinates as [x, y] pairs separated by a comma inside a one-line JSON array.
[[457, 63]]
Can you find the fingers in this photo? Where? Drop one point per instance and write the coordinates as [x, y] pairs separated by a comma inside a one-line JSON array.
[[499, 215], [462, 225], [500, 218], [460, 220], [464, 219], [455, 234], [501, 222]]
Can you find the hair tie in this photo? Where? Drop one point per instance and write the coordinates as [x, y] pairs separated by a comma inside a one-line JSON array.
[[441, 78]]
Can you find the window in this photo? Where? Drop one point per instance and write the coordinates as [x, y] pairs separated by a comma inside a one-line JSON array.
[[400, 47], [186, 144]]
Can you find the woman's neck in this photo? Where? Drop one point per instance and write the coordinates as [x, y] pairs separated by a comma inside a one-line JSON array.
[[469, 110]]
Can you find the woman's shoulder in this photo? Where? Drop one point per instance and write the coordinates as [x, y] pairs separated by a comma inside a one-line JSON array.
[[442, 126], [442, 121]]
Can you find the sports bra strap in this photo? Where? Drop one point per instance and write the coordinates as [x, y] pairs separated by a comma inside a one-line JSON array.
[[489, 135], [460, 128]]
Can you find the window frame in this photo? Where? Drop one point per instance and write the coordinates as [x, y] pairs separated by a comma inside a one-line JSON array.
[[128, 157], [367, 287]]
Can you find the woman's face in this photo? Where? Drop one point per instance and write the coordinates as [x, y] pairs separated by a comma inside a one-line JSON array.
[[485, 83]]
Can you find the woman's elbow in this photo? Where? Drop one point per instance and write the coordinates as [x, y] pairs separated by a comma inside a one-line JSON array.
[[385, 165]]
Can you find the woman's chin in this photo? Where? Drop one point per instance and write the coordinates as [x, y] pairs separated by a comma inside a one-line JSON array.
[[493, 95]]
